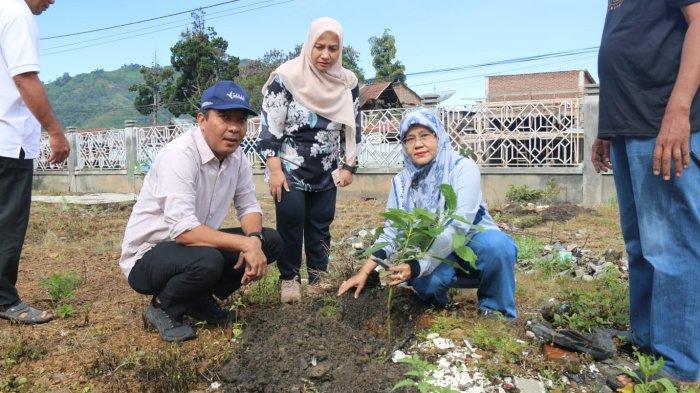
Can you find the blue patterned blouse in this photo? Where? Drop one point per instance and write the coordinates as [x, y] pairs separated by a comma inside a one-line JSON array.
[[307, 144]]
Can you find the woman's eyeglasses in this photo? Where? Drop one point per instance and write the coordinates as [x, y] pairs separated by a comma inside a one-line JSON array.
[[423, 137]]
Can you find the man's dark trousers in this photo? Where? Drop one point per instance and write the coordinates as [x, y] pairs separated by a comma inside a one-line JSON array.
[[180, 275], [15, 199]]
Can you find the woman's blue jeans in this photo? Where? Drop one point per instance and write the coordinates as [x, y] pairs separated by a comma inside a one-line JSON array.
[[495, 264], [660, 223]]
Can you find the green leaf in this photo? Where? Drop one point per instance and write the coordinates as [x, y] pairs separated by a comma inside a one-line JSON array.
[[424, 214], [466, 254], [375, 247], [458, 240], [668, 385], [399, 218], [459, 218], [403, 383], [452, 263], [450, 197]]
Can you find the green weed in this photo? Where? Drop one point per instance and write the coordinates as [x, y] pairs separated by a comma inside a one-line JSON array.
[[648, 366], [265, 290], [61, 287], [528, 247], [330, 306], [419, 377], [522, 193], [604, 305]]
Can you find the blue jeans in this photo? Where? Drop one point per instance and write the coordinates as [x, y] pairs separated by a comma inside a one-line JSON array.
[[495, 267], [660, 223]]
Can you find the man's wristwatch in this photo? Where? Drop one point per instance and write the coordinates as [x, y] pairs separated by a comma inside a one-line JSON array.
[[259, 235], [349, 168]]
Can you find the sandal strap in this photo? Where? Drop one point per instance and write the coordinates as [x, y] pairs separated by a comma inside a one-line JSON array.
[[33, 315], [18, 308]]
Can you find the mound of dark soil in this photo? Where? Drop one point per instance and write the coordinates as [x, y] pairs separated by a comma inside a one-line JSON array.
[[557, 212], [295, 348]]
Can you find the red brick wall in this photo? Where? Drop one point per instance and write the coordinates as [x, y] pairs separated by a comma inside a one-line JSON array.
[[534, 86]]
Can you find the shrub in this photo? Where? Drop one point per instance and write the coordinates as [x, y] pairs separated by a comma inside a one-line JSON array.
[[522, 193]]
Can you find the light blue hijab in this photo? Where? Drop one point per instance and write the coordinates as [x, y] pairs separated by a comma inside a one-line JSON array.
[[417, 186]]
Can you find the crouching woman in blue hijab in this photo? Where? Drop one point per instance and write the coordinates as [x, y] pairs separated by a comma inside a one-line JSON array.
[[429, 161]]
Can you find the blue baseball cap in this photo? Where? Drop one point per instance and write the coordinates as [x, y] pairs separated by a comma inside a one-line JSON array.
[[226, 95]]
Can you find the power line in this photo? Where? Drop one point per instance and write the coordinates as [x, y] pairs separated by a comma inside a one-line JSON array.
[[167, 28], [571, 52], [500, 72], [149, 27], [140, 21]]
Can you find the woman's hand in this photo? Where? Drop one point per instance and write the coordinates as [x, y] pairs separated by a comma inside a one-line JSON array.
[[358, 280], [345, 178], [400, 273], [277, 180]]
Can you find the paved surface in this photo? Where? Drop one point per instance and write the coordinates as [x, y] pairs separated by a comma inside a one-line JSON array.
[[87, 199]]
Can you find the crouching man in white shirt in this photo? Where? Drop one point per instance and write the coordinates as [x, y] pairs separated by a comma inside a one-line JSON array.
[[173, 248]]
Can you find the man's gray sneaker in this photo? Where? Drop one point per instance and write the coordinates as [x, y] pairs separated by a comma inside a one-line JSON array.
[[169, 329]]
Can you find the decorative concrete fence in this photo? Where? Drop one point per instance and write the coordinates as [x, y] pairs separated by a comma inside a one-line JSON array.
[[532, 138]]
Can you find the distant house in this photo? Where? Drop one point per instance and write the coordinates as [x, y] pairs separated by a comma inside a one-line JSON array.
[[538, 86], [385, 95]]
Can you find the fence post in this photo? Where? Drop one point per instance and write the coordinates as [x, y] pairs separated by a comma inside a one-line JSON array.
[[131, 145], [72, 158], [592, 181]]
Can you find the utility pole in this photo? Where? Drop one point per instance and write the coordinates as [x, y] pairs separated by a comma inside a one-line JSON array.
[[156, 88]]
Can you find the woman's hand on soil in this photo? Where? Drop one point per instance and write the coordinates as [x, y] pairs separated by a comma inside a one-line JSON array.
[[400, 273], [345, 178], [277, 181], [358, 281]]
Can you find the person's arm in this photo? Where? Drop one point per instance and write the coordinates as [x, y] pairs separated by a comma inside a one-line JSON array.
[[22, 59], [387, 236], [673, 141], [273, 116]]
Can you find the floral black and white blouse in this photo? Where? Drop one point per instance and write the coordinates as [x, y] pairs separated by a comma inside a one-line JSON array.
[[308, 144]]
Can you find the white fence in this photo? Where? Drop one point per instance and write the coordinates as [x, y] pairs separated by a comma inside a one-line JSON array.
[[511, 134]]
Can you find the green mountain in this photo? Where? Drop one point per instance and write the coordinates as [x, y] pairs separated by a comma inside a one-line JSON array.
[[99, 99]]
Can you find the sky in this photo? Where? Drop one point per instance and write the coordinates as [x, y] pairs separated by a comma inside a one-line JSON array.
[[430, 34]]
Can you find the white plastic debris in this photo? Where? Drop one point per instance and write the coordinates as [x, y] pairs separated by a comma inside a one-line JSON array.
[[398, 355], [443, 343]]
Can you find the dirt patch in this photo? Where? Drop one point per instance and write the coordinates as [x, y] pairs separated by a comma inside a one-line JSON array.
[[560, 212], [304, 347]]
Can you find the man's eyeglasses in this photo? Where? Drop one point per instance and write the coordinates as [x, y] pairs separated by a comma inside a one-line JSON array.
[[423, 137]]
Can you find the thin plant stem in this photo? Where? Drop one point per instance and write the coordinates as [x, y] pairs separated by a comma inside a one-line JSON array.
[[388, 313]]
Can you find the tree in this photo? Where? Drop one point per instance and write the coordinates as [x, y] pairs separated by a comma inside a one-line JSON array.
[[383, 52], [152, 94], [350, 59], [199, 59], [255, 73]]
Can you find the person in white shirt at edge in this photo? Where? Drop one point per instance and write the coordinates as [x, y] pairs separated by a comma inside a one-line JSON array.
[[173, 249], [24, 110]]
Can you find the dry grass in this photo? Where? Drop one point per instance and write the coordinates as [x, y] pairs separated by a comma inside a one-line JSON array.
[[103, 346]]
